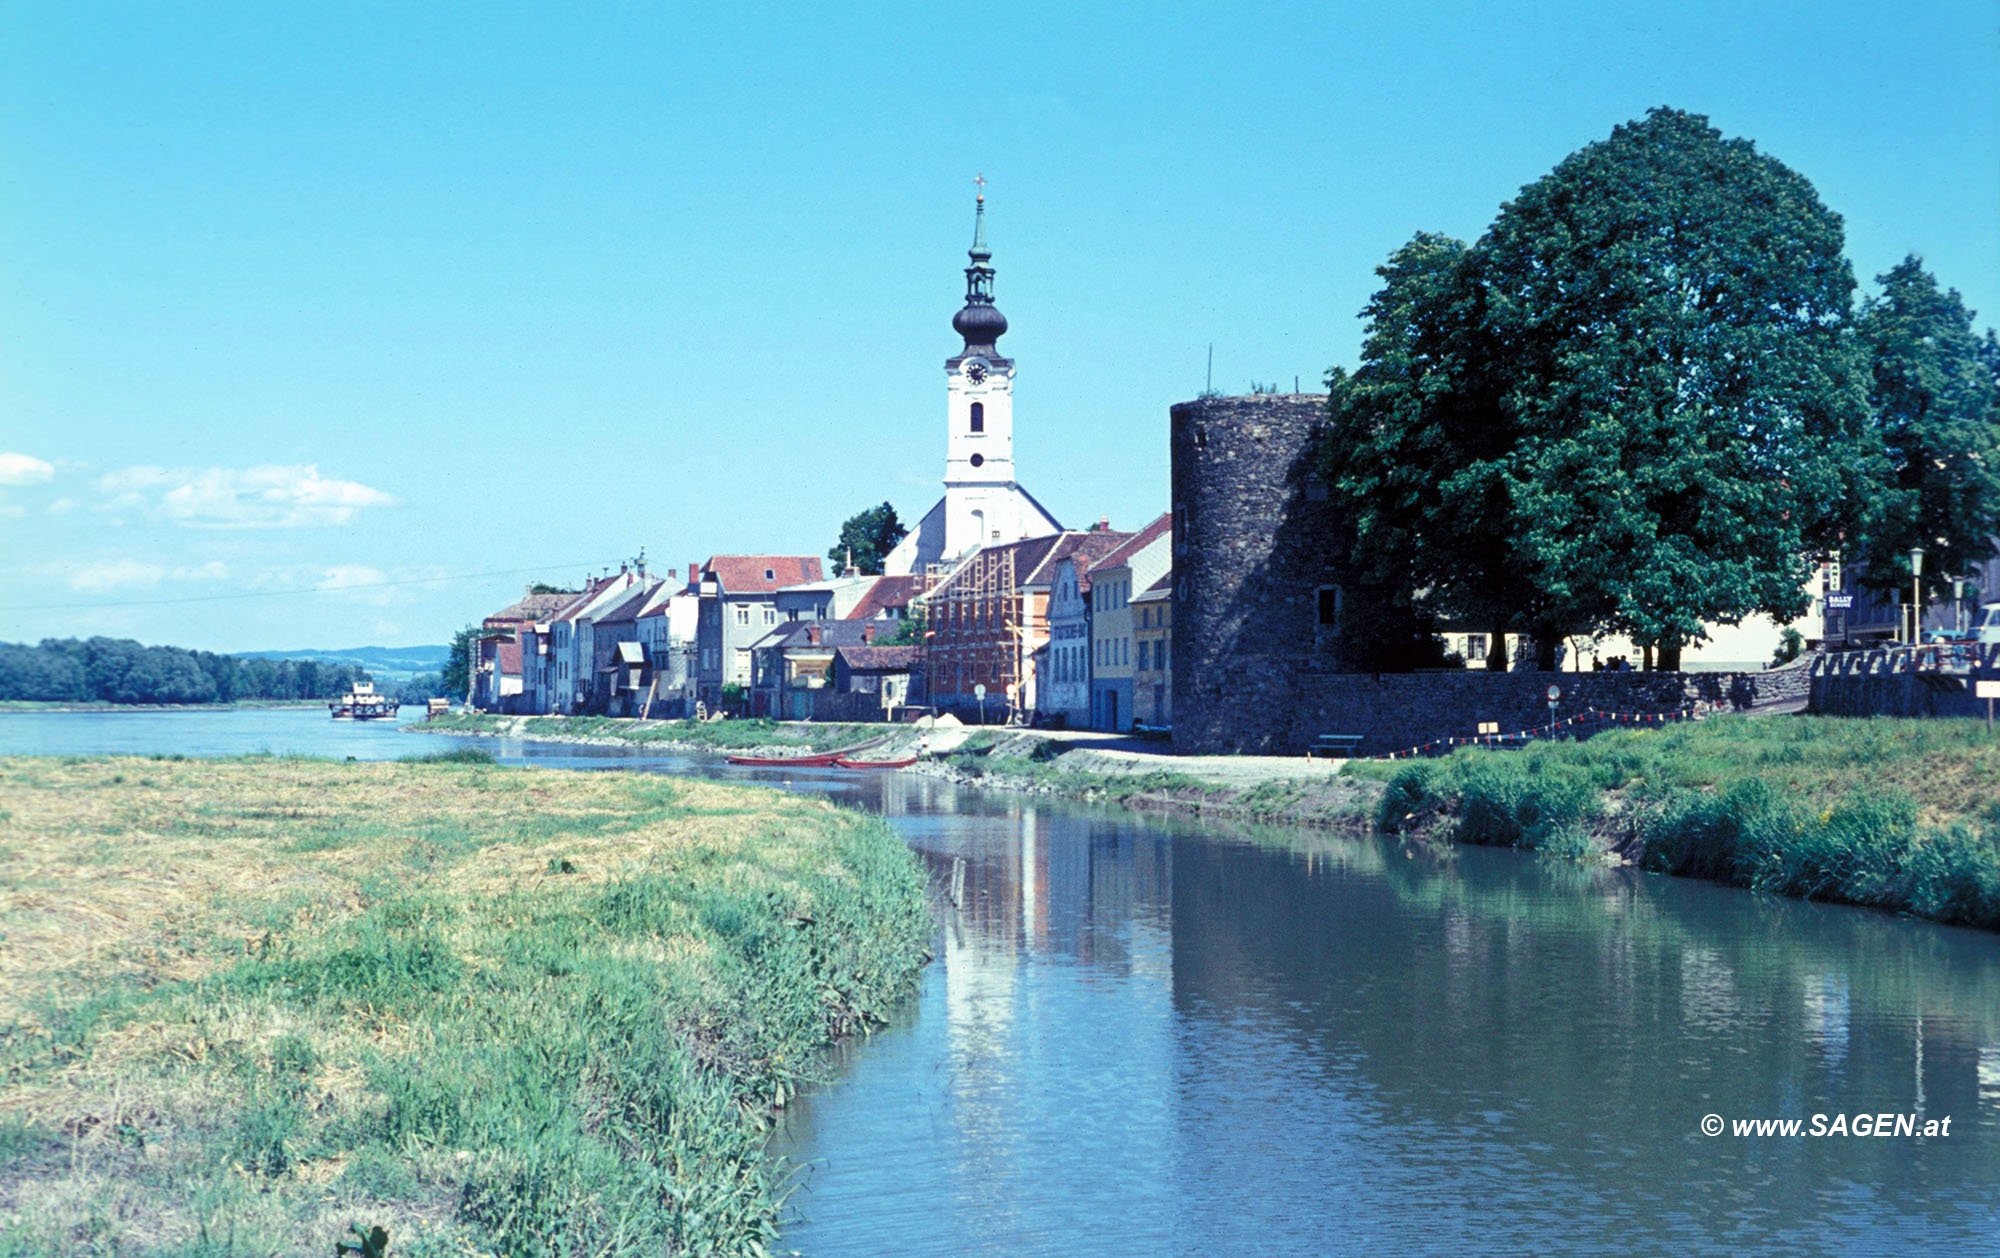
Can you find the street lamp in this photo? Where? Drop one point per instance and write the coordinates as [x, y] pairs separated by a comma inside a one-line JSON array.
[[1916, 594]]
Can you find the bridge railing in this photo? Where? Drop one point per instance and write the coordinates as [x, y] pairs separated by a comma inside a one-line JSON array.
[[1932, 657]]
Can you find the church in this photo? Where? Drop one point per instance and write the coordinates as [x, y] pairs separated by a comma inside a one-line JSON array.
[[983, 505]]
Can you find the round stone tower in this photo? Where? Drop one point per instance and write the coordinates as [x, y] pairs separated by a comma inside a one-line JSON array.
[[1255, 596]]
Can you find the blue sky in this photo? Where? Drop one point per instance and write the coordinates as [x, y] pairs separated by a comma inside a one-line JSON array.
[[309, 311]]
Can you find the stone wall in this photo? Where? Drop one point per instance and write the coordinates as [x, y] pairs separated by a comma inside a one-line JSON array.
[[1397, 711], [1249, 556]]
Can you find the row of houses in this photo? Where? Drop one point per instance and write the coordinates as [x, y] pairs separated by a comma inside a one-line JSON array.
[[1072, 628], [730, 634]]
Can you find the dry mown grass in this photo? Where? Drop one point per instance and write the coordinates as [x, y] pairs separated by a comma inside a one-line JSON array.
[[243, 1003]]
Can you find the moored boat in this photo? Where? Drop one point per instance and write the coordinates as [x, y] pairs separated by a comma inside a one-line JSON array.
[[821, 760], [811, 760], [846, 763]]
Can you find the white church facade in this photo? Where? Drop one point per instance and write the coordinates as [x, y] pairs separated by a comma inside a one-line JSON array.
[[983, 504]]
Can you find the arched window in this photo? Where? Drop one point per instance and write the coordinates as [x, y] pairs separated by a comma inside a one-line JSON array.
[[979, 417]]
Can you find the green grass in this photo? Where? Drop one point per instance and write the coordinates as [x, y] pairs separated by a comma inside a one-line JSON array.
[[1884, 813], [736, 735], [491, 1010]]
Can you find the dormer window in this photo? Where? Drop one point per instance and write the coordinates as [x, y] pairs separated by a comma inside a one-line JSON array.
[[770, 574], [979, 417]]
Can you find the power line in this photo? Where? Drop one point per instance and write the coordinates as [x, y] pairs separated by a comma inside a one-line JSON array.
[[341, 589]]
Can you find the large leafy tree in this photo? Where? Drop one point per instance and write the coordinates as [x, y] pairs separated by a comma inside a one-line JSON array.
[[1636, 404], [1936, 412], [869, 536], [1668, 315], [1412, 449]]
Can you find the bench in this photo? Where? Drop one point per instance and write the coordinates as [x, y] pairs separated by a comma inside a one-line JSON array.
[[1342, 745]]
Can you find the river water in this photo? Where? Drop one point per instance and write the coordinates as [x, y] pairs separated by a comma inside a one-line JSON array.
[[1145, 1036]]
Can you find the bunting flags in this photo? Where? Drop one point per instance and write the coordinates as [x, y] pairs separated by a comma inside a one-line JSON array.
[[1541, 731]]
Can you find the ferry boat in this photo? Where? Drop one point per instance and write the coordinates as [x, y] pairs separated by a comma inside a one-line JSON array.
[[362, 703]]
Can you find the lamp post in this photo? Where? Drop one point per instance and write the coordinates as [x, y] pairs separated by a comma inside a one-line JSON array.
[[1916, 595]]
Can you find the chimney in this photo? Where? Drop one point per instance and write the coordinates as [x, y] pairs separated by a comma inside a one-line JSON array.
[[1104, 524], [812, 635], [867, 635]]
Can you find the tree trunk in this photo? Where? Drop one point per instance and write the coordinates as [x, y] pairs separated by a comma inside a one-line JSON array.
[[1545, 651], [1646, 657], [1496, 654], [1670, 657]]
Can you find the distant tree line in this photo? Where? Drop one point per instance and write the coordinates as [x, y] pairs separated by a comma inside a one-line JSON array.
[[119, 670]]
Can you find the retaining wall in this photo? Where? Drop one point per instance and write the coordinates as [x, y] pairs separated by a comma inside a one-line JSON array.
[[1398, 711]]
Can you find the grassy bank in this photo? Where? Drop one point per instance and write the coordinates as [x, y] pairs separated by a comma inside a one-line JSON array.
[[749, 735], [244, 1004], [1288, 794], [1901, 815]]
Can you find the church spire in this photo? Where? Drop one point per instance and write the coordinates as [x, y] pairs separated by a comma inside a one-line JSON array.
[[979, 322]]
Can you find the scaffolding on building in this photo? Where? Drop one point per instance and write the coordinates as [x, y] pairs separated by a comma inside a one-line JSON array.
[[976, 634]]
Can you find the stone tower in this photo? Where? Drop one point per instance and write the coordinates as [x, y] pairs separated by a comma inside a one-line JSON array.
[[1255, 597]]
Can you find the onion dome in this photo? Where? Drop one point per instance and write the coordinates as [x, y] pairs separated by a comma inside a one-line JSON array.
[[979, 321]]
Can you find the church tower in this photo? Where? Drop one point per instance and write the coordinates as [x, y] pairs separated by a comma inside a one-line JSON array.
[[979, 388], [983, 504]]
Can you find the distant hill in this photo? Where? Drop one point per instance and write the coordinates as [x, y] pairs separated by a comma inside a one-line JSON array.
[[382, 662]]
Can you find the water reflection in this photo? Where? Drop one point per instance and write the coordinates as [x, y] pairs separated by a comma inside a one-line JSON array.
[[1152, 1037]]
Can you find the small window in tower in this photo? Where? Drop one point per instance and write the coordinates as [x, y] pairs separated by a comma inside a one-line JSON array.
[[979, 417], [1329, 605], [979, 460]]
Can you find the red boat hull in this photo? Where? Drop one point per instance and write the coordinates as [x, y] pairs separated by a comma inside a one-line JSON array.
[[845, 763]]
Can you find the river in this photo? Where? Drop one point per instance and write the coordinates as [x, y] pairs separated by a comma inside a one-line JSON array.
[[1148, 1036]]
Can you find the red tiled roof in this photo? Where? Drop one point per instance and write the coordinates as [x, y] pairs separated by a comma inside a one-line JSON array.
[[509, 657], [1136, 542], [745, 574], [881, 659], [887, 592], [1158, 589]]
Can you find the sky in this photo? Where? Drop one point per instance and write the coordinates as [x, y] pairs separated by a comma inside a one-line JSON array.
[[325, 325]]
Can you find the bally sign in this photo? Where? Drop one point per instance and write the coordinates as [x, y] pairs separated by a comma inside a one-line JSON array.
[[1839, 602]]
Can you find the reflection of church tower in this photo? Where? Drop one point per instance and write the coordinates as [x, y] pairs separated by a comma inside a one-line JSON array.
[[983, 504]]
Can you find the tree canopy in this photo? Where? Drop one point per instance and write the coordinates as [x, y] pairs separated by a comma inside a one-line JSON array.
[[1636, 404], [870, 536], [1936, 410]]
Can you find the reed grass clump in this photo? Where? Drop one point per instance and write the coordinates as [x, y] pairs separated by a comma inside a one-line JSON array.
[[1887, 814], [489, 1010]]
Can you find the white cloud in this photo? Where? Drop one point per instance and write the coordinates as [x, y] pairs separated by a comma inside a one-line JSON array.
[[62, 506], [24, 469], [269, 497], [132, 574]]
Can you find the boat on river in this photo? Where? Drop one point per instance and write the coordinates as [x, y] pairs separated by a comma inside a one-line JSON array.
[[362, 703], [812, 760], [845, 762]]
